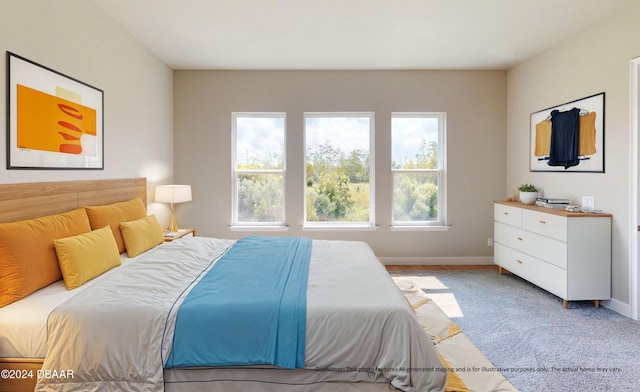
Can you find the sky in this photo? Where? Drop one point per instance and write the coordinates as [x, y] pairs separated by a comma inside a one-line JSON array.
[[343, 133], [259, 136], [408, 134]]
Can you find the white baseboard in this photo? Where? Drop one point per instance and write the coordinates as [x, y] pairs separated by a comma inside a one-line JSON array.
[[437, 260], [617, 306]]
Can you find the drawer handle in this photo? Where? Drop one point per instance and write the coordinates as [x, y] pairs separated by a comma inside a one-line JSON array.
[[519, 261], [519, 238], [506, 213], [543, 222]]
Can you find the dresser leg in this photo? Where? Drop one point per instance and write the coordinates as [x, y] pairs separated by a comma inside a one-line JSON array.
[[597, 303], [565, 303], [503, 271]]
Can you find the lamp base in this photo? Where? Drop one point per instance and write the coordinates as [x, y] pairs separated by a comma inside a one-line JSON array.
[[173, 226]]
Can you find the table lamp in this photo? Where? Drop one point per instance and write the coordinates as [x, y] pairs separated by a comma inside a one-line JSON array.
[[173, 194]]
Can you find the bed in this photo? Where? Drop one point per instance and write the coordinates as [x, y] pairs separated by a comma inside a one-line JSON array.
[[358, 334]]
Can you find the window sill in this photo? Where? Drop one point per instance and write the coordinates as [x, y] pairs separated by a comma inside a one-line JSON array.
[[339, 228], [420, 228], [259, 228]]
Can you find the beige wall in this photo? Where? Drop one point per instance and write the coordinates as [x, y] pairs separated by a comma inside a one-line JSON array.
[[591, 62], [475, 103], [76, 38]]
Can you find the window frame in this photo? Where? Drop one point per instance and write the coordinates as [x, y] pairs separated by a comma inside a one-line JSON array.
[[235, 172], [338, 225], [441, 222]]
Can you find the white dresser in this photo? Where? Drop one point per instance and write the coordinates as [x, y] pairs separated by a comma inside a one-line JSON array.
[[565, 253]]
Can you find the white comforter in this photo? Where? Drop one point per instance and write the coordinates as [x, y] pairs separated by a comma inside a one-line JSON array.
[[116, 335]]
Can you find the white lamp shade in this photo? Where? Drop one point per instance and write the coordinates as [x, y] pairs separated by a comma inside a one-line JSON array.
[[173, 193]]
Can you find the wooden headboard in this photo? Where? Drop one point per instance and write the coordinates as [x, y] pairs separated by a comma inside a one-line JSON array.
[[35, 199]]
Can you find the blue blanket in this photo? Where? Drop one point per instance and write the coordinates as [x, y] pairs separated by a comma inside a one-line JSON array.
[[249, 309]]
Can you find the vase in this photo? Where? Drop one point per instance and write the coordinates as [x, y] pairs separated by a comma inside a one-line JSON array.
[[528, 197]]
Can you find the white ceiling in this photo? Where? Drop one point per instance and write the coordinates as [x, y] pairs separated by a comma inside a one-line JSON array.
[[353, 34]]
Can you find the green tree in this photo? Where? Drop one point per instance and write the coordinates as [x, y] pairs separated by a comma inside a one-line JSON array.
[[333, 196], [325, 159], [274, 160], [330, 175], [427, 156], [356, 166], [268, 204], [416, 194], [310, 170], [415, 200], [260, 198]]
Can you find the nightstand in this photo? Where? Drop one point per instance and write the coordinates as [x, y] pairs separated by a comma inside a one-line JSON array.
[[174, 235]]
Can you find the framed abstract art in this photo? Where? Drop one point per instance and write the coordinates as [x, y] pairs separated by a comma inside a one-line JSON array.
[[53, 120]]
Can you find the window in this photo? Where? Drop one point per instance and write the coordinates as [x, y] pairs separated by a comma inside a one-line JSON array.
[[258, 169], [418, 166], [339, 172]]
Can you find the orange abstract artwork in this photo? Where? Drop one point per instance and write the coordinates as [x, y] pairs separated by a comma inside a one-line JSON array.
[[49, 123]]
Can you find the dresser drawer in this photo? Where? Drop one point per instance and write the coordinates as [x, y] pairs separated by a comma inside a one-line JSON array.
[[547, 276], [549, 225], [507, 214], [541, 247]]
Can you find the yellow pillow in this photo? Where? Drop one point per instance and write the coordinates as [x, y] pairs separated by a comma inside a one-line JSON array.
[[114, 214], [28, 259], [141, 235], [85, 256]]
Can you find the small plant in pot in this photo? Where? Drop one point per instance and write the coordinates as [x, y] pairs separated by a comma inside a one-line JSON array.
[[528, 193]]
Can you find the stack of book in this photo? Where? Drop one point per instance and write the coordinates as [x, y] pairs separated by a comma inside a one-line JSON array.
[[552, 202]]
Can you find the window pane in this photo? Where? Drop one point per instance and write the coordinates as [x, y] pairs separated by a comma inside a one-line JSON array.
[[260, 197], [260, 142], [414, 143], [259, 168], [337, 168], [415, 196], [417, 163]]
